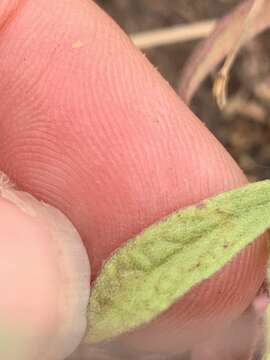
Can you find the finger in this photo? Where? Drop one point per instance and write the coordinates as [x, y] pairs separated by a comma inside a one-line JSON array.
[[43, 285], [239, 341], [89, 126]]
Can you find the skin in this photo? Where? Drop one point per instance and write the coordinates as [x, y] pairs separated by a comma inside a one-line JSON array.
[[33, 254], [89, 126], [248, 330]]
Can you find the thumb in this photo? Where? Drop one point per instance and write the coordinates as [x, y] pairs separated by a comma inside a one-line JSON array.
[[44, 285]]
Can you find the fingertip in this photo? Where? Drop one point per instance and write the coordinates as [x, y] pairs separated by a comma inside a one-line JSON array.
[[44, 280], [88, 120]]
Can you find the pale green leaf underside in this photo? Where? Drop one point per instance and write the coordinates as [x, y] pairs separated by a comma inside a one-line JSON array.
[[157, 267]]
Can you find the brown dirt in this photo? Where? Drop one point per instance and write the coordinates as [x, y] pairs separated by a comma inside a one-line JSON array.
[[244, 131]]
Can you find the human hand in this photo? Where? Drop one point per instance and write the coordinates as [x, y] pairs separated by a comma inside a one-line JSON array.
[[90, 127]]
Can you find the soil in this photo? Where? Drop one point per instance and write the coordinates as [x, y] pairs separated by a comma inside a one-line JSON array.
[[243, 130]]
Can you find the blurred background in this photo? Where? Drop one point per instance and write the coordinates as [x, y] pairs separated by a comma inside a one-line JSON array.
[[244, 126]]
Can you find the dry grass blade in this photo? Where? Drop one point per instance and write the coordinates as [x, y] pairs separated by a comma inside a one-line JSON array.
[[220, 84], [173, 34], [222, 42]]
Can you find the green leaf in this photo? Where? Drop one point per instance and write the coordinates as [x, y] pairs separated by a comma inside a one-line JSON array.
[[12, 340], [154, 269]]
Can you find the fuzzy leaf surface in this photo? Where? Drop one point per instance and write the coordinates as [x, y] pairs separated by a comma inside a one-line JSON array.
[[157, 267]]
